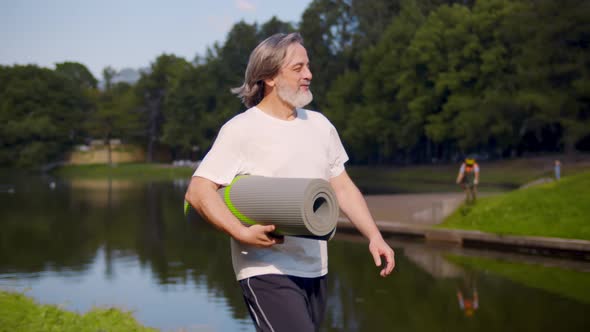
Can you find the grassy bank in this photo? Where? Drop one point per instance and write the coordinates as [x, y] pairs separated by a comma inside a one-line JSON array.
[[557, 209], [128, 171], [567, 283], [20, 313]]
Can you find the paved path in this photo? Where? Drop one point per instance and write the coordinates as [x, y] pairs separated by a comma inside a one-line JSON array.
[[415, 215], [422, 209]]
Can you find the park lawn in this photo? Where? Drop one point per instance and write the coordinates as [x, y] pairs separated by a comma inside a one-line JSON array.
[[556, 209], [19, 313], [127, 171], [567, 283]]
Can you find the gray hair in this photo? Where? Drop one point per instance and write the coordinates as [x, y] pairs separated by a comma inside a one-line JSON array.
[[264, 63]]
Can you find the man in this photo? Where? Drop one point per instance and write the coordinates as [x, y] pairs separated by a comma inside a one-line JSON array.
[[468, 177], [283, 279]]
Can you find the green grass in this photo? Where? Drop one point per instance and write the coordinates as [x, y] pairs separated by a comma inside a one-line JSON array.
[[567, 283], [131, 171], [557, 209], [19, 313]]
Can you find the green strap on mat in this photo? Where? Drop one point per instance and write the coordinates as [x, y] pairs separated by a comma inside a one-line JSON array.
[[187, 208], [228, 202], [231, 206]]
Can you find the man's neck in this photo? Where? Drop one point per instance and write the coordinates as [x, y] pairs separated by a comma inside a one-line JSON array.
[[277, 108]]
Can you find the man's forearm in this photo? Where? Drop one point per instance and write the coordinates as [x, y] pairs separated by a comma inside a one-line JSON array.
[[355, 207], [205, 199]]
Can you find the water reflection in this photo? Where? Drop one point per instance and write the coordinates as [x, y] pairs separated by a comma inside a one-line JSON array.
[[126, 244], [467, 296]]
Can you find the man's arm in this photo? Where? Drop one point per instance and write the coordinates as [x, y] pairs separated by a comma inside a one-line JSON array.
[[202, 195], [460, 175], [353, 204]]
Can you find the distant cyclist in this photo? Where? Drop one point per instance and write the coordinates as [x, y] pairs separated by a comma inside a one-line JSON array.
[[468, 178]]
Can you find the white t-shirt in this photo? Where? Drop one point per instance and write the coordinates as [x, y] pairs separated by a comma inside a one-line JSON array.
[[256, 143]]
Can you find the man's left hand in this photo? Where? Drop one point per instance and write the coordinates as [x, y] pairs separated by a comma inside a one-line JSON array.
[[378, 249]]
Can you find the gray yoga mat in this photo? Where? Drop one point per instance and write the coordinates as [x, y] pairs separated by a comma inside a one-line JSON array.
[[296, 206]]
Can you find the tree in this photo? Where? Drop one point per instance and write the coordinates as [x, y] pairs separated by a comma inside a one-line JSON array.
[[553, 64], [41, 115], [398, 130], [78, 73], [458, 76], [326, 28], [116, 115], [272, 26], [191, 122], [363, 104], [153, 88]]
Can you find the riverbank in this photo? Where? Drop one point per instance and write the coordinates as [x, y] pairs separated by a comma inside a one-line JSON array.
[[548, 219], [557, 209], [20, 313]]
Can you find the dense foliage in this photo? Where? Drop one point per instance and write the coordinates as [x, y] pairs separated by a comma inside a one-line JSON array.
[[403, 81]]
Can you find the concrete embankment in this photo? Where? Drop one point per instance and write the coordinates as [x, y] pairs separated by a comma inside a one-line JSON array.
[[416, 216], [529, 244]]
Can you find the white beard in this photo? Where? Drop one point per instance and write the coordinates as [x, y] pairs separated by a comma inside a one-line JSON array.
[[297, 98]]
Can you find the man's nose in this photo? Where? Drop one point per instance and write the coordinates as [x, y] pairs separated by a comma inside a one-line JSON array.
[[307, 73]]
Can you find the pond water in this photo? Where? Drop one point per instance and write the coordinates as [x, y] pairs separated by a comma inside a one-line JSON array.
[[127, 244]]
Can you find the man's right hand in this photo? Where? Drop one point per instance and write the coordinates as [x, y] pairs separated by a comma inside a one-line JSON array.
[[258, 236]]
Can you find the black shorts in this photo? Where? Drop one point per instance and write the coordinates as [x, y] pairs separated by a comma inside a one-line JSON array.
[[285, 303]]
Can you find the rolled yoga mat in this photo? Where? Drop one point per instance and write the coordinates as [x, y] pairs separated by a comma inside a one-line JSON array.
[[296, 206]]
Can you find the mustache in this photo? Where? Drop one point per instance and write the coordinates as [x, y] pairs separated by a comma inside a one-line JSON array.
[[307, 84]]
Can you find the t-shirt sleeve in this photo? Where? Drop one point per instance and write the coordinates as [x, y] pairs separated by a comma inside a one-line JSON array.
[[222, 162], [337, 155], [462, 169]]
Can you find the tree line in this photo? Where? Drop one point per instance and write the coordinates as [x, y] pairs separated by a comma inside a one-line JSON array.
[[403, 81]]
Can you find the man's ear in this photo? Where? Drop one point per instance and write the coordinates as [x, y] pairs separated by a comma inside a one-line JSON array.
[[270, 82]]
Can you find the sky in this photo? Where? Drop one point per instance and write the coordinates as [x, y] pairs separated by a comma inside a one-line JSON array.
[[125, 33]]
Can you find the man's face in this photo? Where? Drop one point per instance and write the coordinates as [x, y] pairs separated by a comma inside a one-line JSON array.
[[294, 78]]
